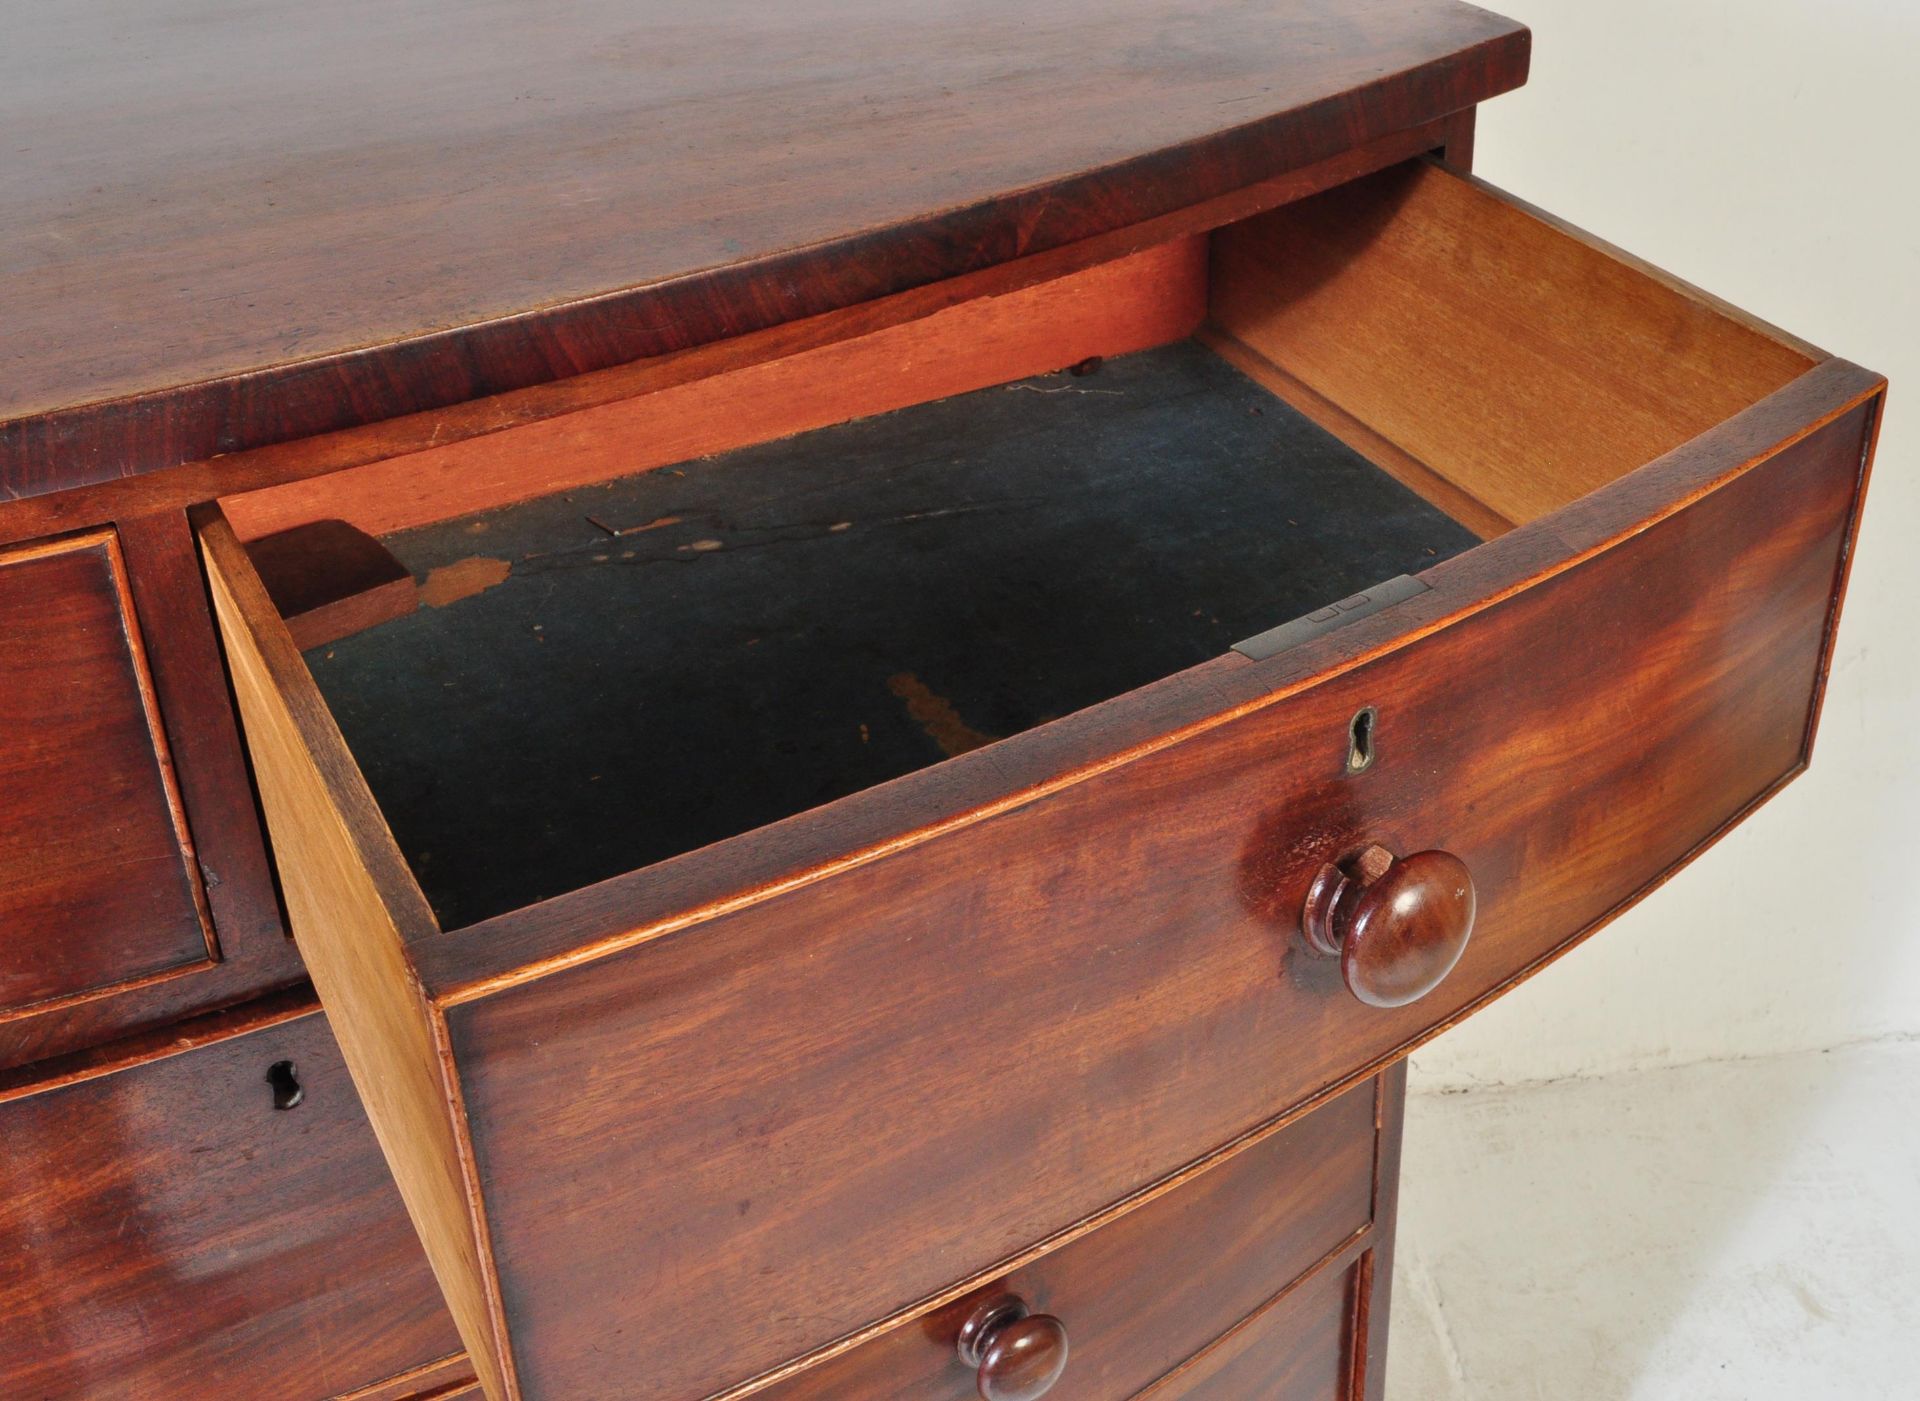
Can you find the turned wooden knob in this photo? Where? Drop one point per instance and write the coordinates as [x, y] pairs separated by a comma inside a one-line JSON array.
[[1019, 1354], [1397, 925]]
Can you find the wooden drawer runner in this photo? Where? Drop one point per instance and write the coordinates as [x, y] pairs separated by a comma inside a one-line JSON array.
[[809, 1080], [1143, 1293], [166, 1232]]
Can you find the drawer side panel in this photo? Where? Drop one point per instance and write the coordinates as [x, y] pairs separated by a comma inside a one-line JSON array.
[[350, 901]]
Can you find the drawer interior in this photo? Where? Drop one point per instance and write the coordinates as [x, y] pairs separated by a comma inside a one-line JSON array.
[[656, 623], [686, 654]]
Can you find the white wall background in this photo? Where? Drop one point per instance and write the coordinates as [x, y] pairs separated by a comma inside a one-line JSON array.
[[1768, 151]]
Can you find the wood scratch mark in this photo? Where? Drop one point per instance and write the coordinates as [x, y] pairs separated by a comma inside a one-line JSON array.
[[618, 530]]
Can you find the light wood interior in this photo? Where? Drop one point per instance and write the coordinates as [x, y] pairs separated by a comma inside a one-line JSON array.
[[353, 906], [1133, 303], [1494, 360]]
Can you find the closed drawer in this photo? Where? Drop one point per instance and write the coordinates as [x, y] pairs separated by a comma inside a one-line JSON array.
[[97, 884], [1298, 1348], [1140, 1295], [804, 1077], [168, 1232], [133, 886]]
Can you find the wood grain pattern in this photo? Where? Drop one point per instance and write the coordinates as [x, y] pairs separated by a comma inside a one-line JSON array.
[[98, 884], [351, 905], [1132, 303], [1519, 362], [1141, 1295], [166, 1233], [1567, 803], [190, 685], [1044, 1019], [1295, 1349], [373, 219]]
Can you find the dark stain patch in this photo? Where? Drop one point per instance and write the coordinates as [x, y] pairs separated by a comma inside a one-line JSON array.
[[462, 579], [935, 714]]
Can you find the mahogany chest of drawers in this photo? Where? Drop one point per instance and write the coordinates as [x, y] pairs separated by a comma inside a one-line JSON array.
[[807, 701]]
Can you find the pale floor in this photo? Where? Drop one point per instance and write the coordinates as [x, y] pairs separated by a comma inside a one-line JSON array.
[[1727, 1231]]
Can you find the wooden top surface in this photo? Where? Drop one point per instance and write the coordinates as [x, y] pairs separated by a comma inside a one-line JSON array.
[[398, 206]]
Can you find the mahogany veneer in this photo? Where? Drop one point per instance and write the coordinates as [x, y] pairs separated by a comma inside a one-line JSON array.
[[86, 754], [1281, 1353], [133, 883], [1140, 1297], [885, 450], [542, 184], [168, 1232]]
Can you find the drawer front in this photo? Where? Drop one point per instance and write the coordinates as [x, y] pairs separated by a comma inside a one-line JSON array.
[[167, 1232], [97, 882], [134, 887], [1299, 1348], [978, 1040], [1145, 1292]]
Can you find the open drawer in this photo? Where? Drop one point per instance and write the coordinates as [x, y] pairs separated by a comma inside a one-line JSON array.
[[686, 977]]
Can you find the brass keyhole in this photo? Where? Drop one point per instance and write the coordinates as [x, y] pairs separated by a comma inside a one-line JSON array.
[[287, 1090], [1360, 741]]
